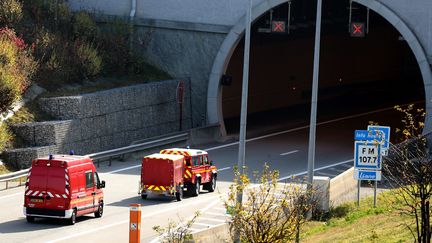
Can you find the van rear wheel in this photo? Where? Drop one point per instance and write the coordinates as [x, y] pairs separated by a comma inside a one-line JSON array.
[[195, 188], [144, 196], [30, 219], [72, 219], [179, 195], [99, 212]]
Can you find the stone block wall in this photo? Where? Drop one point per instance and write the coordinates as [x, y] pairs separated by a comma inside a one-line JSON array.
[[103, 120]]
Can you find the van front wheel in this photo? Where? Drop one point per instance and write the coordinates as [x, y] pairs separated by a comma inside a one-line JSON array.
[[30, 219], [72, 219], [99, 212]]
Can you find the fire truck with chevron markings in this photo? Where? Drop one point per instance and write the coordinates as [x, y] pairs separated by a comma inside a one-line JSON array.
[[173, 171], [63, 186]]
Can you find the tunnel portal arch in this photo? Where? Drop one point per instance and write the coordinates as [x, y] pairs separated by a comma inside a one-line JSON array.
[[214, 93]]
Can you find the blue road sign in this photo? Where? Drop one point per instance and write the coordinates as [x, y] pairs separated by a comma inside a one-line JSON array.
[[365, 135], [369, 175], [367, 155], [386, 131]]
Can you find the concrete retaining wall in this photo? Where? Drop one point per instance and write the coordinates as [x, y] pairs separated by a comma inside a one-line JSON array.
[[103, 120], [343, 188]]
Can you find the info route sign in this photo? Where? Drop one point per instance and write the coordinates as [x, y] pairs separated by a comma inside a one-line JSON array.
[[369, 146]]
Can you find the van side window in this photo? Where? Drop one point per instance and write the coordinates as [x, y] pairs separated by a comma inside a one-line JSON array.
[[188, 163], [205, 160], [89, 179], [196, 160], [96, 179]]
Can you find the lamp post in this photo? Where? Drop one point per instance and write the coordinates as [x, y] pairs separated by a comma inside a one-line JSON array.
[[243, 115], [314, 99]]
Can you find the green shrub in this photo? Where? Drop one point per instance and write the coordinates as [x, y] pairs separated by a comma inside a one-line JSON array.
[[84, 27], [10, 12], [5, 136], [88, 59], [114, 45], [17, 67]]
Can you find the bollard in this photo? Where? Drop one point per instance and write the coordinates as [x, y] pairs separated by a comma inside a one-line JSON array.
[[135, 223]]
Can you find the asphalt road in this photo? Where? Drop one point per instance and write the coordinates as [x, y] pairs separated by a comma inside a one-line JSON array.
[[285, 151]]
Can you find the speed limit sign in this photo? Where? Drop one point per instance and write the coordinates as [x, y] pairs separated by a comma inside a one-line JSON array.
[[367, 155]]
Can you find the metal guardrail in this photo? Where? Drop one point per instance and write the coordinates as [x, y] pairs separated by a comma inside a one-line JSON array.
[[109, 154]]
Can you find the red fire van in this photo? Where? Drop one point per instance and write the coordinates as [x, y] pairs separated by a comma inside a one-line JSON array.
[[63, 186]]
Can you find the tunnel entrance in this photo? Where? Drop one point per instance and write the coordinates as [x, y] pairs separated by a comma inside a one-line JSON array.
[[357, 74]]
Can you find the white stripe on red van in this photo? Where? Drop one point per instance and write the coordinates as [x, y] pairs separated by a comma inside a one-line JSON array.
[[35, 193], [67, 191], [67, 177], [41, 194], [51, 195], [64, 196], [57, 195], [29, 192]]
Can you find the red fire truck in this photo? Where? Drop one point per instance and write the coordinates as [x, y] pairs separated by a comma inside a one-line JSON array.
[[173, 170], [63, 186]]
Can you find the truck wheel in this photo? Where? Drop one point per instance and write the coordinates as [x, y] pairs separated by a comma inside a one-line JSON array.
[[144, 196], [212, 184], [179, 195], [30, 219], [99, 211], [72, 219], [196, 188]]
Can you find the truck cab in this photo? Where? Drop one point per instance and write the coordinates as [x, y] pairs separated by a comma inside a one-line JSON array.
[[198, 170], [63, 186]]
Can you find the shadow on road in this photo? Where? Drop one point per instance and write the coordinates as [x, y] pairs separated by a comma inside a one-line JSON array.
[[151, 200], [21, 225]]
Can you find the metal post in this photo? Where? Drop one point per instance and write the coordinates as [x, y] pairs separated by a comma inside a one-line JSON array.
[[243, 115], [350, 16], [314, 101], [375, 193], [367, 21], [358, 193], [289, 16]]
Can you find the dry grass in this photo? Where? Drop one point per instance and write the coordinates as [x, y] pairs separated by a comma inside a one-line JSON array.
[[364, 224]]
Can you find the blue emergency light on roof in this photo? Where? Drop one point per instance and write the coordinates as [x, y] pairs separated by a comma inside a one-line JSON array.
[[72, 152], [50, 156]]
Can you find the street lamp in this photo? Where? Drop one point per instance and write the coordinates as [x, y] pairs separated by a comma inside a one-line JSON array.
[[314, 99], [243, 115]]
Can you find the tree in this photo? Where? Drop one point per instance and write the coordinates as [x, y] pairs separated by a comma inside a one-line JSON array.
[[408, 168], [270, 212]]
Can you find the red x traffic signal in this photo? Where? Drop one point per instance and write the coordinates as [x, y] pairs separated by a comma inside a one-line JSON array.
[[357, 29], [278, 26]]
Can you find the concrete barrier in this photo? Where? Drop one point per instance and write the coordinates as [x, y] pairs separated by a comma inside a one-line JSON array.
[[216, 234], [343, 188]]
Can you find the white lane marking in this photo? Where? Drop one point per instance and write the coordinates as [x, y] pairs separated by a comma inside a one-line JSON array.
[[211, 219], [11, 195], [325, 174], [290, 152], [127, 220], [217, 214], [317, 169], [202, 211], [123, 169], [202, 224], [225, 168], [213, 226], [303, 127]]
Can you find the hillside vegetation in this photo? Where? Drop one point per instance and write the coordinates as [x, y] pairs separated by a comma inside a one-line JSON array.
[[43, 42]]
